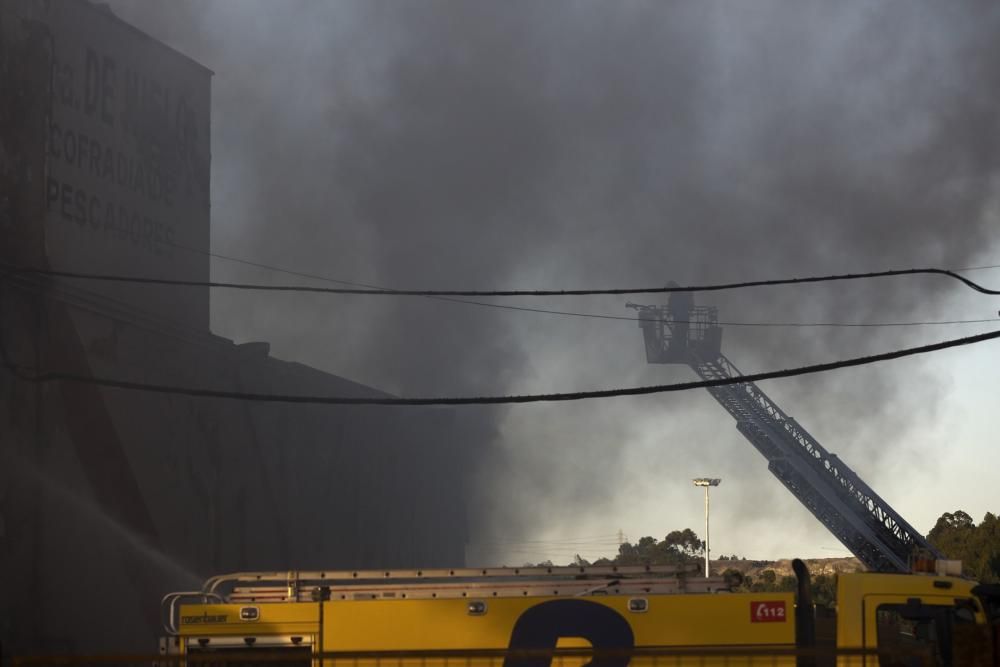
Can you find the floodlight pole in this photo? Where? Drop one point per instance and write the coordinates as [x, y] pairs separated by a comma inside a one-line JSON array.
[[707, 549], [706, 482]]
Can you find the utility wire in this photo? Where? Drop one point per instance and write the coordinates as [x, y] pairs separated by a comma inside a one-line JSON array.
[[278, 269], [547, 311], [611, 539], [599, 316], [549, 548], [738, 324], [625, 318], [978, 268], [490, 400], [437, 293]]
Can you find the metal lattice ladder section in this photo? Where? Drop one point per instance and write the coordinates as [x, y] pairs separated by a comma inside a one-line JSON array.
[[849, 508]]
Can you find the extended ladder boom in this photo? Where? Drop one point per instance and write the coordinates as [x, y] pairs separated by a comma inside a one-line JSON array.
[[864, 523]]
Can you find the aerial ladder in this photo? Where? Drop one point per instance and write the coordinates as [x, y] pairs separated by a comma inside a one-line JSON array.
[[683, 333]]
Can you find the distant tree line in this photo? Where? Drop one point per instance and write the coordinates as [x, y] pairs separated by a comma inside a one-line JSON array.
[[955, 534], [823, 586], [684, 547], [679, 547]]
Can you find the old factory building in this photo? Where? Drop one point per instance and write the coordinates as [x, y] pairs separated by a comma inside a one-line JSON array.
[[112, 497]]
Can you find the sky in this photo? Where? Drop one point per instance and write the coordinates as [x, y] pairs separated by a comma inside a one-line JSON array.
[[562, 145]]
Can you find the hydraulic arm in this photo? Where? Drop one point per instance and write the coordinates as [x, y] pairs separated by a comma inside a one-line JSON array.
[[682, 333]]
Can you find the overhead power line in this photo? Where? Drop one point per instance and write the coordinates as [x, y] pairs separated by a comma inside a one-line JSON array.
[[602, 316], [271, 267], [437, 293], [599, 316], [486, 304], [632, 318], [279, 269], [610, 539], [978, 268], [56, 376]]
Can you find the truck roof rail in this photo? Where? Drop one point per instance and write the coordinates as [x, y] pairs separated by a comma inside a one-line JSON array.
[[302, 586], [399, 576]]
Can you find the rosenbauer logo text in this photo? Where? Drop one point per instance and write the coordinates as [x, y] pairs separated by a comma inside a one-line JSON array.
[[767, 612]]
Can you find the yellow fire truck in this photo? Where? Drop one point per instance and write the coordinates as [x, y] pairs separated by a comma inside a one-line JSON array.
[[908, 610], [607, 616]]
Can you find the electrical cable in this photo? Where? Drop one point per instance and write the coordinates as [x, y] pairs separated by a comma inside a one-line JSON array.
[[494, 400], [313, 276], [750, 324], [437, 293], [547, 311], [627, 318], [978, 268], [547, 543], [278, 269], [599, 316], [548, 548]]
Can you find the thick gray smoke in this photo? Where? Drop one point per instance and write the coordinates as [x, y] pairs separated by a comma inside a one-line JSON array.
[[594, 144]]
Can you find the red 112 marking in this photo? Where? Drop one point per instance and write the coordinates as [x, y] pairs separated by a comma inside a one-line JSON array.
[[771, 611]]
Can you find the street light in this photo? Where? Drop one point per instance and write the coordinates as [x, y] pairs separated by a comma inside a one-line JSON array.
[[706, 482]]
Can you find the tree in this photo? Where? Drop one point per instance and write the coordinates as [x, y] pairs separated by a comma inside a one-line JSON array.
[[627, 555], [679, 547], [954, 521], [685, 541], [978, 547], [734, 576]]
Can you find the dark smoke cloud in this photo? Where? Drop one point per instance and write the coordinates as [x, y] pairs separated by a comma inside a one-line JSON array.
[[569, 144]]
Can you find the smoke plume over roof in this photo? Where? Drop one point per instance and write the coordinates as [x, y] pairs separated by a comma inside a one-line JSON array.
[[593, 144]]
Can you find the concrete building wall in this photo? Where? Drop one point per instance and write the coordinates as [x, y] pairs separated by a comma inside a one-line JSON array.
[[127, 147], [110, 498]]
